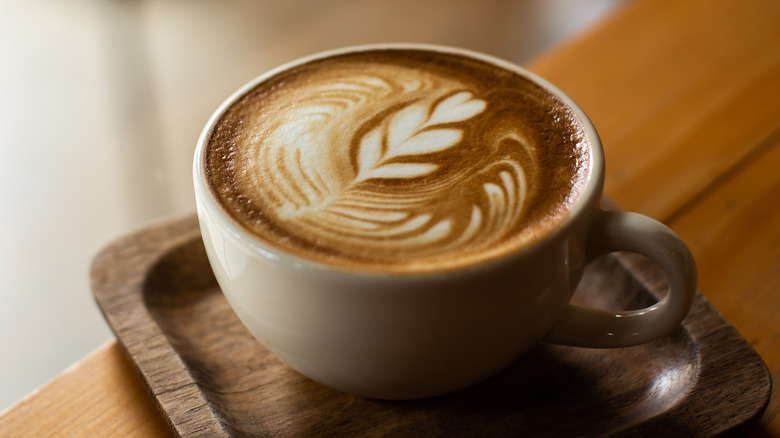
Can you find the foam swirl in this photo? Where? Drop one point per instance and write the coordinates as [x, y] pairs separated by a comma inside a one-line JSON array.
[[386, 164]]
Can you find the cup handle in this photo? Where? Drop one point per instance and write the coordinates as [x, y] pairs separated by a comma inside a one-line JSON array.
[[624, 231]]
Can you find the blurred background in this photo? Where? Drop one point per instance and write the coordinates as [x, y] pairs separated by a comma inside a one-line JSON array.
[[103, 100]]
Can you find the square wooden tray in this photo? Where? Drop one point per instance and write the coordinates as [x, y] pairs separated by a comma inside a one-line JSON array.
[[210, 377]]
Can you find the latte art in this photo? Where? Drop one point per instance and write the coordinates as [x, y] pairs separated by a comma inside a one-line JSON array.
[[396, 161], [358, 188]]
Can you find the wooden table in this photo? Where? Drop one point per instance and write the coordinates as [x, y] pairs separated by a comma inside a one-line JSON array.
[[686, 97]]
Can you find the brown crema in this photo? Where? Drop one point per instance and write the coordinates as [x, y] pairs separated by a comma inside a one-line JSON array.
[[397, 161]]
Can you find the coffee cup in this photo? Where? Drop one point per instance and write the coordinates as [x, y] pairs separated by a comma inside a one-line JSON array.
[[402, 221]]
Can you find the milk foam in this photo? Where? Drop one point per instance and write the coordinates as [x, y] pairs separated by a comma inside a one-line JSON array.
[[388, 165]]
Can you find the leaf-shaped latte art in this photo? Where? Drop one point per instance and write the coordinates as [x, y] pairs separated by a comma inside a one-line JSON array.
[[399, 170], [379, 183], [456, 108], [414, 131]]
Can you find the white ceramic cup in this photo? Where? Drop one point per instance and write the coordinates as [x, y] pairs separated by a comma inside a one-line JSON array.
[[404, 336]]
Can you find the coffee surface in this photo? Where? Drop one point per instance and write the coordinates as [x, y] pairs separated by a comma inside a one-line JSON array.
[[397, 161]]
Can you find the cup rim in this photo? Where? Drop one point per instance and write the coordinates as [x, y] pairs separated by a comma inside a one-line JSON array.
[[588, 199]]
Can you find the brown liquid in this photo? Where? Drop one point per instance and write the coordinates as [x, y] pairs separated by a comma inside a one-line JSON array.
[[397, 161]]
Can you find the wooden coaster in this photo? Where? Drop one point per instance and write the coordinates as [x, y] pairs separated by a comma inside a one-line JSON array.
[[210, 377]]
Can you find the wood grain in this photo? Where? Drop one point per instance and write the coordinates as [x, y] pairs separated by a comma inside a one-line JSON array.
[[734, 234], [684, 94], [102, 395], [678, 90], [211, 377]]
